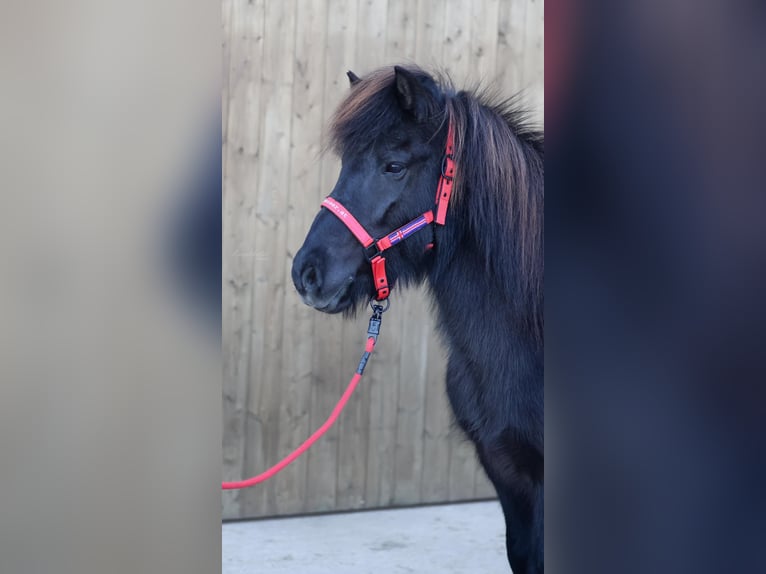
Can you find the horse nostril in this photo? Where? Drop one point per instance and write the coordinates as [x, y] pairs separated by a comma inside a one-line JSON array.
[[311, 279]]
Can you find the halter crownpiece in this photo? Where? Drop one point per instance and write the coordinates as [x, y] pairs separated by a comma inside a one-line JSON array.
[[374, 248], [444, 189]]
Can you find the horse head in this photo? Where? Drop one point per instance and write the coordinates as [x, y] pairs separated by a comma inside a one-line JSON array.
[[390, 133]]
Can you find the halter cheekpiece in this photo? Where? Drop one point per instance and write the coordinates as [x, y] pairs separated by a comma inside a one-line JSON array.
[[374, 248]]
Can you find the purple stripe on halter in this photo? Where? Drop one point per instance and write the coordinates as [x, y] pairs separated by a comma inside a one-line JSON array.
[[419, 223], [407, 230]]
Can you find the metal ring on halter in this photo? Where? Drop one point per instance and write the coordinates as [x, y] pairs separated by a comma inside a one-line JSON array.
[[445, 159], [377, 307]]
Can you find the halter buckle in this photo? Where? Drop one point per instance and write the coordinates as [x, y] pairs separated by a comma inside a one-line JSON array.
[[372, 251]]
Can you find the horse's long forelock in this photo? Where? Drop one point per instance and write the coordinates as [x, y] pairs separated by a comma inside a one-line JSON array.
[[499, 163], [359, 113]]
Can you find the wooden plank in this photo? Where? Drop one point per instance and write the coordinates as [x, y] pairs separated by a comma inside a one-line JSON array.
[[327, 380], [415, 332], [429, 40], [298, 326], [241, 149], [511, 41], [270, 239], [330, 372], [381, 381], [371, 34], [534, 57], [484, 23], [401, 31], [437, 420], [456, 53], [353, 431]]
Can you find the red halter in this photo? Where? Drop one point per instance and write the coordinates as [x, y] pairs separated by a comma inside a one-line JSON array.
[[374, 248]]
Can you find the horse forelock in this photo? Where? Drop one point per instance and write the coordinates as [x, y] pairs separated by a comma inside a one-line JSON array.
[[366, 110]]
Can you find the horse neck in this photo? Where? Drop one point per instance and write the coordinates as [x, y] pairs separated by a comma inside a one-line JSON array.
[[473, 276]]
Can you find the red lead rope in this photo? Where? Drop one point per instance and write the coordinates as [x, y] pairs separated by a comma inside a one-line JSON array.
[[378, 262], [373, 330]]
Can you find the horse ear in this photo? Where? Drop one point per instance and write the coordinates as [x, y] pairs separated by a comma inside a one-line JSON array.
[[413, 97], [353, 78]]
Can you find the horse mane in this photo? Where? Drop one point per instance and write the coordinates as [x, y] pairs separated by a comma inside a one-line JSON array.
[[499, 180]]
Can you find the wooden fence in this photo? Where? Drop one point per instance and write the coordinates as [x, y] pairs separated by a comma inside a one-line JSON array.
[[285, 365]]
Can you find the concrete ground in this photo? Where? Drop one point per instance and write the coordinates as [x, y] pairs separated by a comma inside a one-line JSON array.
[[466, 538]]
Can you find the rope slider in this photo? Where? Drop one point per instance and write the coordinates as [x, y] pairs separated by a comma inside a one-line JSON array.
[[373, 330]]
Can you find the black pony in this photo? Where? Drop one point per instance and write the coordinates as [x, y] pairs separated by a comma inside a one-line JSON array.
[[484, 266]]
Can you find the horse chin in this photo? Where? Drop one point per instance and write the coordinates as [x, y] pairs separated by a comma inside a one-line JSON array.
[[334, 308], [340, 301]]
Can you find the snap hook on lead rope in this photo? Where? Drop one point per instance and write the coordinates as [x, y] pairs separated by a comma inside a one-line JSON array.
[[376, 306]]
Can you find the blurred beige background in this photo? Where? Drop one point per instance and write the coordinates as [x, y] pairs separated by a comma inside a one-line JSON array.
[[285, 365], [109, 382]]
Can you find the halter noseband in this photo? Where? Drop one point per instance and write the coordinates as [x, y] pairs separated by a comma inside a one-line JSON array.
[[374, 248]]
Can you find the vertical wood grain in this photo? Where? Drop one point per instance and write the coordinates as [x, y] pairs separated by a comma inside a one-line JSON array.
[[511, 41], [415, 332], [534, 57], [437, 425], [484, 23], [241, 152], [270, 243], [429, 42], [456, 49], [401, 32], [297, 349]]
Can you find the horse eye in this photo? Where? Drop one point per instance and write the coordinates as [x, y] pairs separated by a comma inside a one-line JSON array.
[[394, 167]]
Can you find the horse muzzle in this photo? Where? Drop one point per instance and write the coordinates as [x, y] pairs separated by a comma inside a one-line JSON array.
[[319, 289]]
